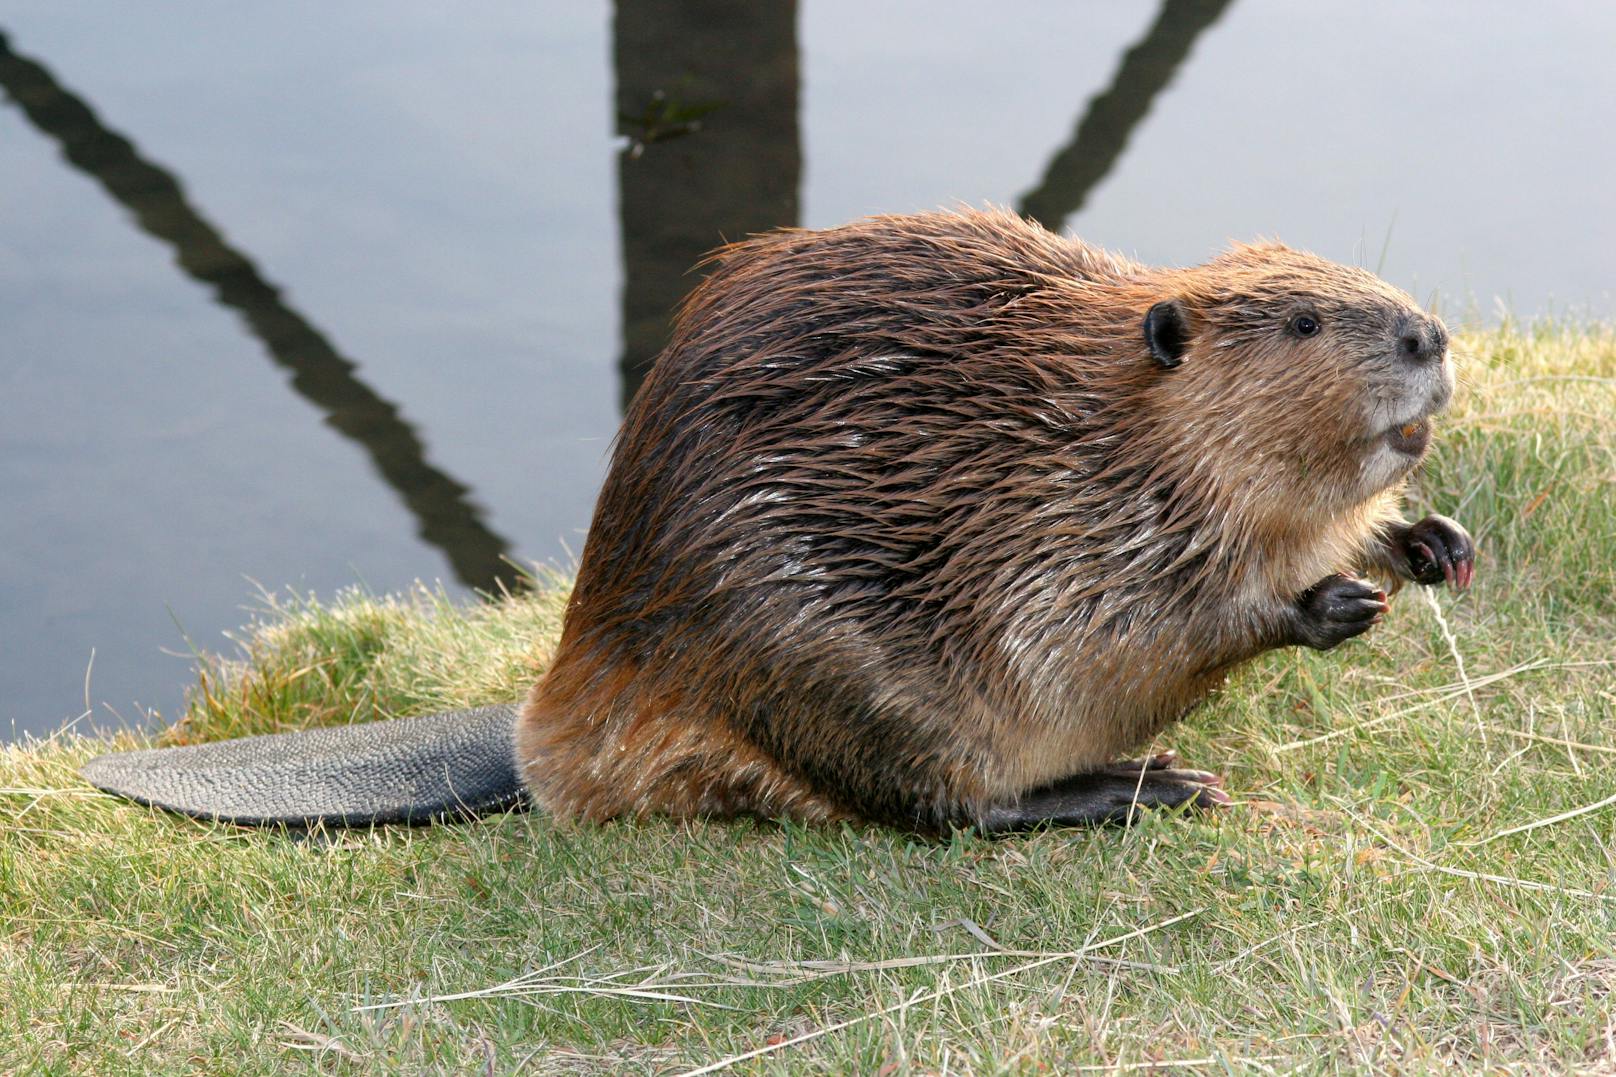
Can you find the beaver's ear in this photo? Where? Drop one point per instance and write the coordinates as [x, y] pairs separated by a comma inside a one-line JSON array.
[[1167, 333]]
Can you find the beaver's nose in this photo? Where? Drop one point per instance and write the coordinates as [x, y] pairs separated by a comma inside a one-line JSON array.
[[1422, 340]]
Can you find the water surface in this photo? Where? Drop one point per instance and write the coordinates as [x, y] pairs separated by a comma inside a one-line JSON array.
[[307, 295]]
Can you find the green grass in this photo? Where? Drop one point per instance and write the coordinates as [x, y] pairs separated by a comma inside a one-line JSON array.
[[1372, 905]]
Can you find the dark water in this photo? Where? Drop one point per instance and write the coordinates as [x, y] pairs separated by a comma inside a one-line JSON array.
[[314, 294]]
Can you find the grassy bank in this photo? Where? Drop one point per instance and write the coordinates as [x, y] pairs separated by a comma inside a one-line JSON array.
[[1413, 877]]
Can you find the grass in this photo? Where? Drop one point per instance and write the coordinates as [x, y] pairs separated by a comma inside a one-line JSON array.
[[1413, 880]]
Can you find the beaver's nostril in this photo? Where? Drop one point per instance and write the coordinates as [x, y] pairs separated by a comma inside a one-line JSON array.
[[1421, 340]]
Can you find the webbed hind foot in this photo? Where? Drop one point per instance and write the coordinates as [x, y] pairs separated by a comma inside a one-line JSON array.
[[1109, 794]]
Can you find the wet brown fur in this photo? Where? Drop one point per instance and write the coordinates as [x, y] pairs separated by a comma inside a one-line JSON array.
[[906, 521]]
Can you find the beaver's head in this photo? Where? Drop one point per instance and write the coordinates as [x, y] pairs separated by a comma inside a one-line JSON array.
[[1317, 376]]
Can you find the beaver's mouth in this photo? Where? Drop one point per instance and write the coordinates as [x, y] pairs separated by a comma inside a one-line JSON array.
[[1410, 438]]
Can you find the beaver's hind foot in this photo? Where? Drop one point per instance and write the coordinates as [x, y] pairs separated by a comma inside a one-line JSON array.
[[1111, 794]]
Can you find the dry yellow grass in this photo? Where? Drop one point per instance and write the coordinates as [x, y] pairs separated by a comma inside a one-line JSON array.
[[1420, 874]]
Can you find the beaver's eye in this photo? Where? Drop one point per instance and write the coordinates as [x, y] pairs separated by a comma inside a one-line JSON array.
[[1305, 325]]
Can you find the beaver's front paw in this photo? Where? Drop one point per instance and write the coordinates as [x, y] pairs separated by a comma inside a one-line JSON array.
[[1337, 608], [1439, 549]]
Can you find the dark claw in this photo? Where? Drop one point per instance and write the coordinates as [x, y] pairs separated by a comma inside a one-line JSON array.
[[1438, 550], [1420, 554], [1160, 766]]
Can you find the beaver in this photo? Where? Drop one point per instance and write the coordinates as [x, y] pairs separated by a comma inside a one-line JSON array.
[[928, 520]]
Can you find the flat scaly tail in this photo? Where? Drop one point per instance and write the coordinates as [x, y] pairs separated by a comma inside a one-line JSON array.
[[407, 770]]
